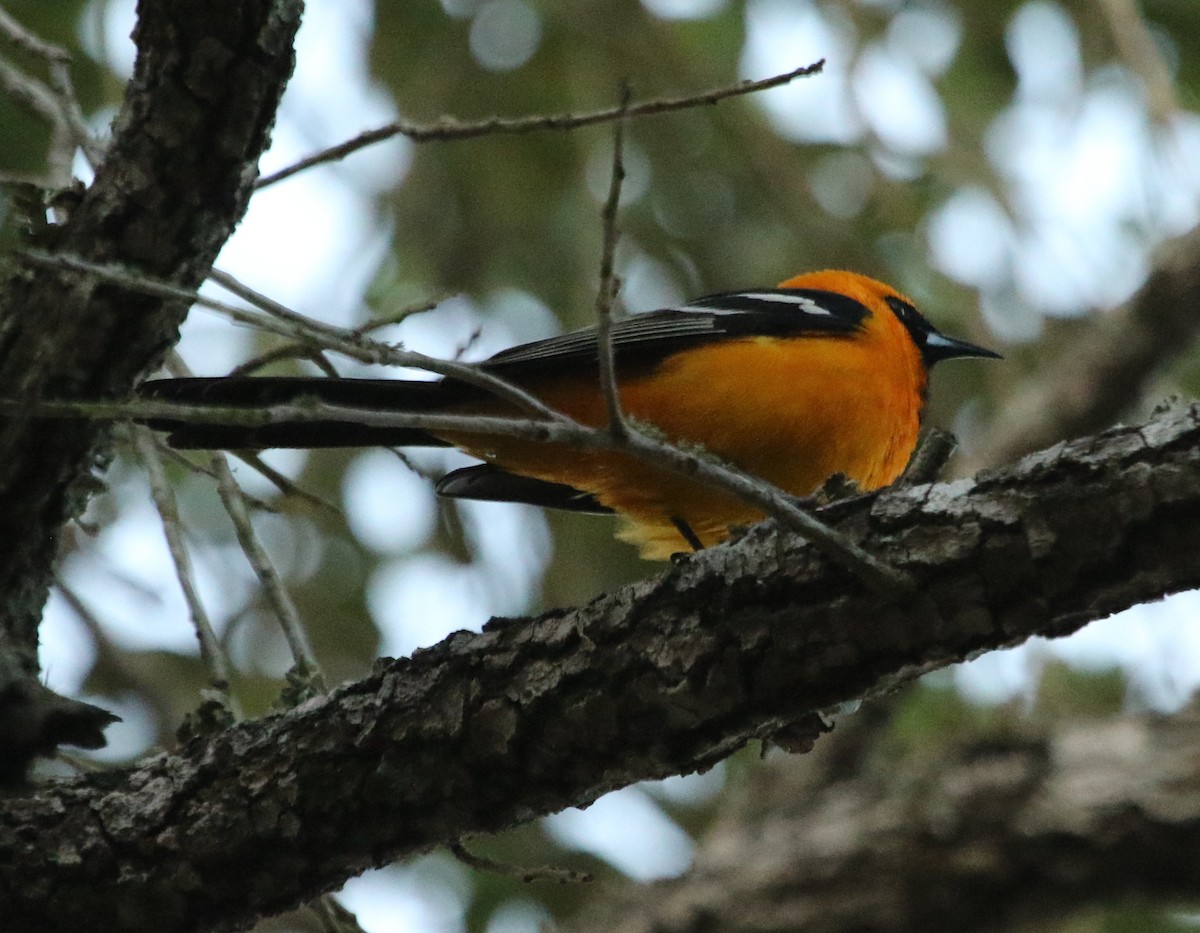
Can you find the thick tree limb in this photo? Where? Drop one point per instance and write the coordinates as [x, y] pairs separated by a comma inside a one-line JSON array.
[[483, 732], [1004, 831], [176, 179]]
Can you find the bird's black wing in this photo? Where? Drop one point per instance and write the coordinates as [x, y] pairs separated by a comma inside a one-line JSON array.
[[646, 339], [640, 341]]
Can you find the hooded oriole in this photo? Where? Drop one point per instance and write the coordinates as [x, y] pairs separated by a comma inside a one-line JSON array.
[[825, 374]]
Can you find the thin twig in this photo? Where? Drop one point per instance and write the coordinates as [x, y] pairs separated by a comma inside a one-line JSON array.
[[464, 347], [170, 453], [305, 351], [298, 327], [60, 79], [66, 104], [705, 469], [211, 651], [527, 875], [233, 499], [411, 465], [29, 92], [276, 593], [399, 315], [304, 409], [930, 459], [272, 307], [446, 129], [285, 485], [289, 351], [1135, 43], [166, 450], [38, 99], [607, 291], [28, 41]]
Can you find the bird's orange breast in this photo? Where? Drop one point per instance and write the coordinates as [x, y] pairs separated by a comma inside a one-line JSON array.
[[793, 411]]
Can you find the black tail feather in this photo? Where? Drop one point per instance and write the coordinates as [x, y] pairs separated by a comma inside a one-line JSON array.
[[489, 483], [259, 392]]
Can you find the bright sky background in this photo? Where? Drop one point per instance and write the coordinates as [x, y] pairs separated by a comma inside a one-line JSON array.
[[1092, 178]]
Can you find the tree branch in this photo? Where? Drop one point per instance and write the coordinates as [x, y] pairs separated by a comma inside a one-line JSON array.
[[448, 129], [315, 334], [483, 732], [177, 178], [1008, 830]]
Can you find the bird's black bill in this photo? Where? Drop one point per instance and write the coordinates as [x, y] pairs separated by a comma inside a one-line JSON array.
[[938, 347]]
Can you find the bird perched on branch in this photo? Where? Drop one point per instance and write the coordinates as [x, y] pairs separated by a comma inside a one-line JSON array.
[[825, 374]]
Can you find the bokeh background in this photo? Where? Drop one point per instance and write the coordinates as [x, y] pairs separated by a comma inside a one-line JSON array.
[[1012, 166]]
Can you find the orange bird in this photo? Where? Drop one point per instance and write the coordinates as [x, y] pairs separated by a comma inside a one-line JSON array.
[[825, 374]]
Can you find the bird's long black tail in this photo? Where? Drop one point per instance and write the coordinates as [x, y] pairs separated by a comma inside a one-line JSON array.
[[261, 392]]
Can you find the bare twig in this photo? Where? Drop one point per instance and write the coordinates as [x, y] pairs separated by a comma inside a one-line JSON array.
[[28, 92], [276, 593], [285, 485], [561, 430], [411, 465], [399, 315], [930, 459], [272, 307], [1131, 35], [233, 499], [28, 41], [166, 450], [38, 99], [303, 329], [464, 347], [607, 291], [66, 104], [305, 351], [170, 453], [211, 651], [527, 875], [331, 915], [289, 351], [446, 129]]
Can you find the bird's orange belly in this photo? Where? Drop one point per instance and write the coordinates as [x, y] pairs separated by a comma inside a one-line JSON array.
[[792, 419]]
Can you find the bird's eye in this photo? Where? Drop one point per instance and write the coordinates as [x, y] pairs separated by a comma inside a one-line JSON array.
[[912, 319], [906, 312]]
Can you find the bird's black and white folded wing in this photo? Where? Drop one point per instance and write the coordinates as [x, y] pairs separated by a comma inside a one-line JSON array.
[[652, 336]]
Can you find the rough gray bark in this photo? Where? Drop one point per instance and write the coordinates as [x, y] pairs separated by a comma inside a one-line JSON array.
[[483, 732], [991, 832], [175, 182]]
